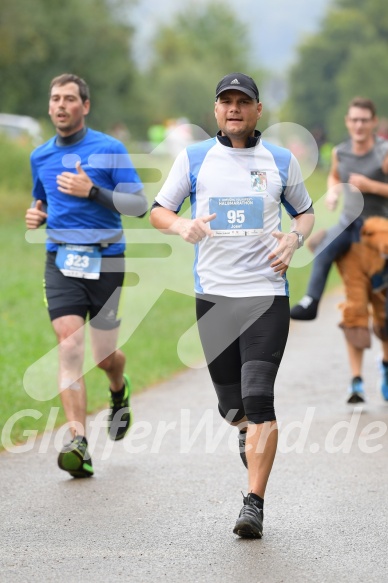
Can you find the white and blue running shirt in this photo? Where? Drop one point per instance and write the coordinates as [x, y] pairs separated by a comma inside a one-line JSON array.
[[246, 188]]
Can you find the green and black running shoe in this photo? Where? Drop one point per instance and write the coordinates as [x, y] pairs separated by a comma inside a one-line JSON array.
[[75, 459], [119, 420]]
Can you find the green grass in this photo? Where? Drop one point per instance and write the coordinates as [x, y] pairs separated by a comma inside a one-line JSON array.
[[27, 336], [151, 350], [157, 306]]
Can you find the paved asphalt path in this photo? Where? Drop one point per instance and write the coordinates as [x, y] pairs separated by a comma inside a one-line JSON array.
[[163, 503]]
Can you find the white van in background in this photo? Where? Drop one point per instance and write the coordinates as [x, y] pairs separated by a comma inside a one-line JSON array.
[[18, 126]]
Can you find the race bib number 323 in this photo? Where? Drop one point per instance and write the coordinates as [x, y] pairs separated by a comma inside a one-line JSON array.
[[79, 261], [237, 216]]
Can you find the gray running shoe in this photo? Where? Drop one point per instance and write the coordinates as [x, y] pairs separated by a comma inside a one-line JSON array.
[[241, 444], [250, 521]]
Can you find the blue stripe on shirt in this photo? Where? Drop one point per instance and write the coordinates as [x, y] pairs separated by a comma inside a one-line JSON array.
[[196, 155]]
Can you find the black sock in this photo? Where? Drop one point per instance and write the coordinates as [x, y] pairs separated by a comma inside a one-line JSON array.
[[257, 499], [357, 379], [385, 364], [118, 395]]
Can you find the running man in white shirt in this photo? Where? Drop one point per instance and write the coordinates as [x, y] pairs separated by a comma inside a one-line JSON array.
[[237, 184]]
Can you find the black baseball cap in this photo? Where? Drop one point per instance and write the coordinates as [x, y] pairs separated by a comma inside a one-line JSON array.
[[240, 82]]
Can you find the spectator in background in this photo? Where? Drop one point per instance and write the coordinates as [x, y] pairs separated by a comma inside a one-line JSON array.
[[361, 164]]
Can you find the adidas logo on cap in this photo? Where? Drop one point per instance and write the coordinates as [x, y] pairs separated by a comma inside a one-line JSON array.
[[240, 82]]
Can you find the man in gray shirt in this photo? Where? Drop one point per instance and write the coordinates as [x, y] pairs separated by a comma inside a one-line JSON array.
[[358, 164]]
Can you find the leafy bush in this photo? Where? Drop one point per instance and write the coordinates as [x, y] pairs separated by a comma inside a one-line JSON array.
[[15, 179]]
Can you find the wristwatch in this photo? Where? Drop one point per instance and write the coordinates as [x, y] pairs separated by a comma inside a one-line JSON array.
[[300, 238], [93, 192]]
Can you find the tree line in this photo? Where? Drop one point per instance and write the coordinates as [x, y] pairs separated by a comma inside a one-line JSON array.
[[346, 58], [94, 39]]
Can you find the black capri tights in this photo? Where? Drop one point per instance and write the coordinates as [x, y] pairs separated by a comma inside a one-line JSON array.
[[243, 340]]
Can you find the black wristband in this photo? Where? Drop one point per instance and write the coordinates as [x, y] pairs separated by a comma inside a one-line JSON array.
[[93, 192]]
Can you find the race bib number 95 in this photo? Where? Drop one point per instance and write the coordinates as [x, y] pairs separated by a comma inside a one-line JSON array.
[[237, 216]]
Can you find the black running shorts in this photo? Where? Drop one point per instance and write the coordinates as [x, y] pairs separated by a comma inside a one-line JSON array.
[[244, 340], [96, 298], [241, 330]]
